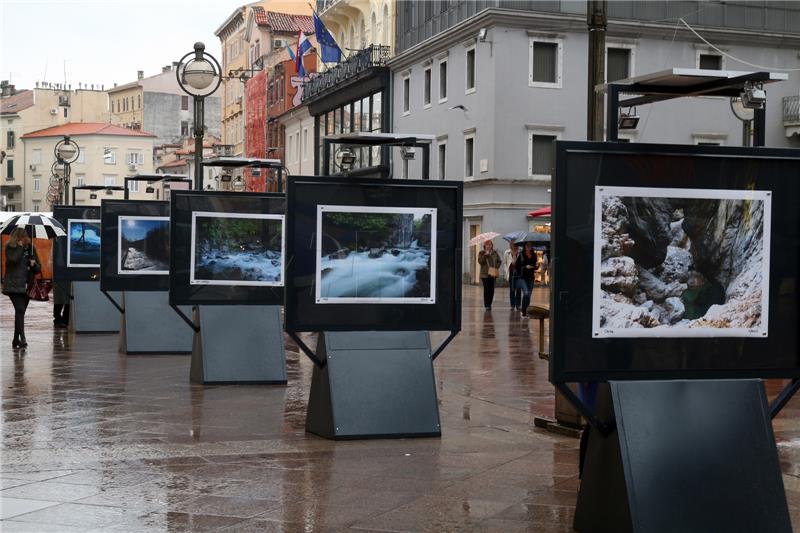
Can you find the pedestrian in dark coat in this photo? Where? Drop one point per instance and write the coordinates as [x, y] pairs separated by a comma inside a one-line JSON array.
[[525, 269], [490, 261], [22, 264]]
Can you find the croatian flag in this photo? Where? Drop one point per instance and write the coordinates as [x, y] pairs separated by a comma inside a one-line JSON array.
[[303, 46], [330, 51]]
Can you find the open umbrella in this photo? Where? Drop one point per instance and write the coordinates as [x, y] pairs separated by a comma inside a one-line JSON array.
[[514, 235], [533, 236], [36, 226], [483, 237]]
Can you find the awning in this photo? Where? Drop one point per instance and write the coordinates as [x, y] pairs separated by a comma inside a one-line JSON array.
[[541, 212]]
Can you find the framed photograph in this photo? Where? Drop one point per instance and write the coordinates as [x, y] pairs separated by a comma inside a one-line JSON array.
[[83, 243], [379, 255], [659, 269], [236, 249], [227, 248], [674, 262], [143, 245]]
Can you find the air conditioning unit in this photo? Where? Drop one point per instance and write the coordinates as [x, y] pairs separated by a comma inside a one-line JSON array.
[[53, 111], [279, 43], [131, 166]]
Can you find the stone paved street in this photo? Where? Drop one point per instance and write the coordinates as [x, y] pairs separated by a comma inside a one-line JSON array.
[[97, 441]]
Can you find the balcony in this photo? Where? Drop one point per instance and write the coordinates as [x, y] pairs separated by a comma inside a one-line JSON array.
[[791, 115], [353, 68], [322, 5]]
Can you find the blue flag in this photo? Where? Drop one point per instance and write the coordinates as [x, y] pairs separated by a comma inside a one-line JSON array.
[[330, 51]]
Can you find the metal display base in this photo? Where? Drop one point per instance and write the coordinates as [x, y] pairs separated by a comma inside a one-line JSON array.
[[373, 384], [150, 326], [685, 456], [238, 344], [90, 311]]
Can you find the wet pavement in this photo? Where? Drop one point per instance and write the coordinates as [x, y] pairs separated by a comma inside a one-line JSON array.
[[97, 441]]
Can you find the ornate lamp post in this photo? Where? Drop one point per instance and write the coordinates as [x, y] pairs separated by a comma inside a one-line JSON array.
[[66, 152], [199, 77]]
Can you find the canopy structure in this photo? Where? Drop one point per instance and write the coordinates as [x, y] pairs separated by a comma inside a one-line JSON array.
[[94, 188], [247, 162], [155, 178], [681, 82], [541, 212]]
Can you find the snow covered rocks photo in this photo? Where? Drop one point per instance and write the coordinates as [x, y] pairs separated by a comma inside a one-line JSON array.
[[237, 249], [143, 245], [681, 262], [376, 254]]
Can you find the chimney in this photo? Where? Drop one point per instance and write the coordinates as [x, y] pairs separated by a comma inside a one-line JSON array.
[[139, 74]]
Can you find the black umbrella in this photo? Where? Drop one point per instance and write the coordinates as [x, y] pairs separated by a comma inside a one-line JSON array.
[[533, 236], [37, 226]]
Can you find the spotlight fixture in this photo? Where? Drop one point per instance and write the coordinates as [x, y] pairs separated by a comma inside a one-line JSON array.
[[482, 35], [93, 196], [754, 96], [150, 189], [629, 120], [109, 192], [408, 152], [345, 159]]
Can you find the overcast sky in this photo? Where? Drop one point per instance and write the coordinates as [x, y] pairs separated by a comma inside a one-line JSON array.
[[102, 41]]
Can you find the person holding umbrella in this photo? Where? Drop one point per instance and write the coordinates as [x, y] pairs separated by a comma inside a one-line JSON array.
[[22, 263], [525, 269], [490, 262]]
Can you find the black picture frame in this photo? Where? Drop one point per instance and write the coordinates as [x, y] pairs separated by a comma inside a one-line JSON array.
[[583, 166], [62, 272], [110, 278], [182, 205], [305, 194]]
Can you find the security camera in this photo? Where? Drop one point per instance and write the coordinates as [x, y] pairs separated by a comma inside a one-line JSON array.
[[754, 97], [408, 152], [482, 34]]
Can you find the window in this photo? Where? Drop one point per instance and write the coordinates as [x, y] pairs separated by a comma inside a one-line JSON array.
[[184, 103], [9, 139], [297, 146], [37, 206], [135, 158], [109, 156], [442, 81], [542, 154], [10, 169], [36, 156], [405, 168], [709, 139], [37, 183], [133, 186], [406, 94], [184, 128], [442, 154], [618, 64], [81, 155], [426, 91], [80, 180], [545, 63], [469, 155], [140, 101], [109, 180], [709, 61], [289, 147], [470, 69], [305, 144], [65, 112]]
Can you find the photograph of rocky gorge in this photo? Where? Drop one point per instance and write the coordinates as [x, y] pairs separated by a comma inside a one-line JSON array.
[[143, 245], [376, 255], [236, 249], [681, 262]]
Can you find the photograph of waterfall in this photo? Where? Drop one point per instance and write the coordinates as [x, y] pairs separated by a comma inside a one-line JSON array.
[[681, 262], [236, 249], [143, 245], [376, 255], [83, 243]]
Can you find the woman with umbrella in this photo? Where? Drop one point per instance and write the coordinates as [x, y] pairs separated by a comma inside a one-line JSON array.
[[489, 261], [527, 262], [21, 264]]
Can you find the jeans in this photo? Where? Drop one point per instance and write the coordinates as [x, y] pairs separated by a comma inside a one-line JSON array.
[[526, 285], [20, 302], [514, 292], [488, 291]]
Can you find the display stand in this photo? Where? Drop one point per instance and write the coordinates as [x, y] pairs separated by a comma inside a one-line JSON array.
[[373, 384], [238, 344], [90, 311], [682, 456], [150, 326]]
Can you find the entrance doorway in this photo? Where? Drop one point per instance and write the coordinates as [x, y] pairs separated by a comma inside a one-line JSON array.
[[474, 268]]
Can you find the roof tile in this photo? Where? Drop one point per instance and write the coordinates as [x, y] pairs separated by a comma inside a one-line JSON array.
[[18, 102], [284, 22], [86, 128]]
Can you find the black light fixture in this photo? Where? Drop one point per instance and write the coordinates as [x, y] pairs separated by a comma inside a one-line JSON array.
[[93, 196], [149, 189], [109, 192], [66, 152], [628, 120], [225, 178]]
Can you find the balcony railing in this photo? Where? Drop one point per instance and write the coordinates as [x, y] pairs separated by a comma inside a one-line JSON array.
[[791, 110], [322, 5], [373, 56]]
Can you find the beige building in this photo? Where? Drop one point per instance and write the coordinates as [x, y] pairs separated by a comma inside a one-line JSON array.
[[356, 24], [298, 126], [108, 154], [29, 110]]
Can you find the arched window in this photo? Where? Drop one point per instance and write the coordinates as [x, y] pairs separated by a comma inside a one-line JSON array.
[[363, 36], [385, 22], [352, 42], [373, 29]]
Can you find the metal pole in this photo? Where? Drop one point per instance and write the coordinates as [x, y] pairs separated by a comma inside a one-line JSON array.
[[426, 161], [280, 179], [759, 126], [597, 20], [125, 193], [66, 183], [198, 143], [613, 113]]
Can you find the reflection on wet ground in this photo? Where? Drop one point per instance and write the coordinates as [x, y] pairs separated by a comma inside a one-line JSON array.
[[97, 441]]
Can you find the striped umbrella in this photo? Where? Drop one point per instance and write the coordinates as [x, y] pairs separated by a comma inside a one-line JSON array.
[[37, 226], [483, 237]]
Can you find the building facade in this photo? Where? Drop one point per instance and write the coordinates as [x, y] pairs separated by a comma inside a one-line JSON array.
[[29, 110], [106, 152], [157, 104], [497, 86], [234, 59]]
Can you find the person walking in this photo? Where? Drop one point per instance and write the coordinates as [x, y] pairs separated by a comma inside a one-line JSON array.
[[526, 270], [22, 264], [490, 262], [509, 269], [60, 306]]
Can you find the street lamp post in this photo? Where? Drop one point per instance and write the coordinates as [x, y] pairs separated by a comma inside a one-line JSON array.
[[196, 78], [66, 152]]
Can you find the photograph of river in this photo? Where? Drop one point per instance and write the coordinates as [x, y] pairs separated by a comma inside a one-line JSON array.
[[236, 249], [376, 255], [143, 245], [83, 243], [681, 262]]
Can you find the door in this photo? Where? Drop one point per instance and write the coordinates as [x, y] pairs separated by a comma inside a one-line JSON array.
[[475, 270]]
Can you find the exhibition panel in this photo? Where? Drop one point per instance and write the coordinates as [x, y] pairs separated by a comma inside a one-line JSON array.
[[227, 248], [77, 258], [135, 245], [366, 254], [673, 262]]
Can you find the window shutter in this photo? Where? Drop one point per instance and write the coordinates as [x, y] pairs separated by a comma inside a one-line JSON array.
[[543, 154], [545, 56]]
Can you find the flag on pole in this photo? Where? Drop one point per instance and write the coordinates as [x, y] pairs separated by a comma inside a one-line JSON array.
[[291, 54], [303, 46], [330, 51]]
